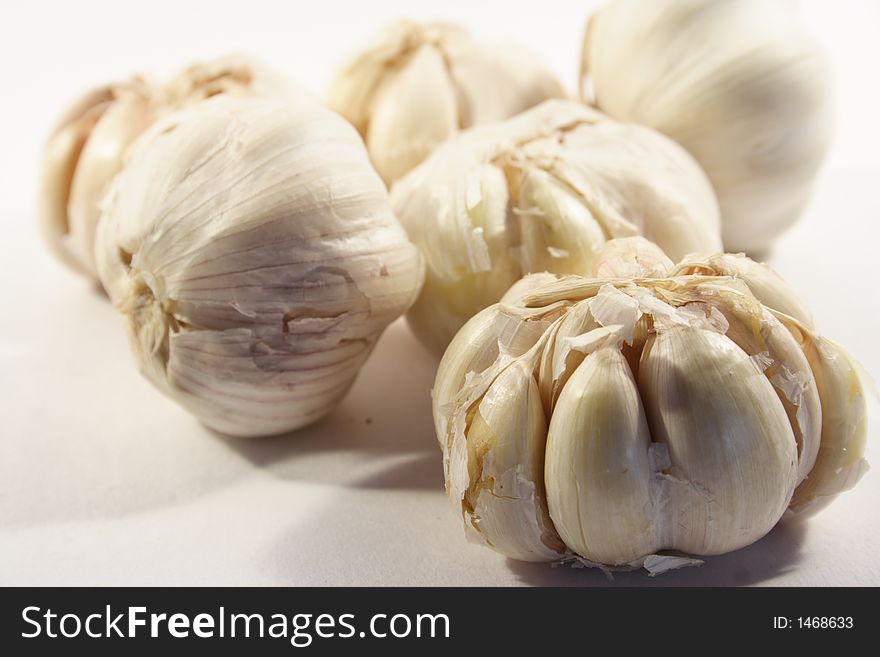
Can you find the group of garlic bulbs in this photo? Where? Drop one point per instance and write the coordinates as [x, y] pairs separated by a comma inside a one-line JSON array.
[[542, 191], [419, 84], [595, 401], [675, 407]]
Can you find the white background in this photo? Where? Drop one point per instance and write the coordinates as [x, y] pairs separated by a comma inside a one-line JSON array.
[[104, 481]]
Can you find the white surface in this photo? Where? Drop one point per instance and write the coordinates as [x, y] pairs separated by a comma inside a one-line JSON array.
[[104, 481]]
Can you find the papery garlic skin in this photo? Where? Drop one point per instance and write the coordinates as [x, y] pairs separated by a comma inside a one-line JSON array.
[[419, 84], [254, 254], [87, 148], [767, 285], [543, 191], [839, 463], [738, 83], [668, 412], [631, 257]]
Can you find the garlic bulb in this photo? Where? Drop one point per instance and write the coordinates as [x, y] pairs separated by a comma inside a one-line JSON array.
[[418, 84], [543, 191], [608, 419], [87, 148], [253, 252], [738, 83]]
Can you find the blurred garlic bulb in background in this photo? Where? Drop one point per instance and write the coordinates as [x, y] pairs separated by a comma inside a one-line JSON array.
[[608, 419], [253, 252], [418, 84], [232, 75], [543, 191], [738, 83], [87, 148], [84, 152]]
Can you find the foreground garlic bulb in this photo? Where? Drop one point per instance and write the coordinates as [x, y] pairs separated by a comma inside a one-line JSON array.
[[608, 419], [736, 82], [417, 85], [543, 191], [253, 252], [86, 149]]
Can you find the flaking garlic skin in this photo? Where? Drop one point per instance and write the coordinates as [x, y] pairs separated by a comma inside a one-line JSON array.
[[739, 83], [543, 191], [254, 255], [87, 148], [610, 418], [419, 84]]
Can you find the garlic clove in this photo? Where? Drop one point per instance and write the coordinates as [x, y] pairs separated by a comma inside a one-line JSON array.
[[101, 158], [60, 160], [550, 215], [419, 84], [562, 356], [771, 345], [840, 461], [732, 456], [460, 277], [504, 503], [351, 91], [476, 349], [597, 466], [414, 111]]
